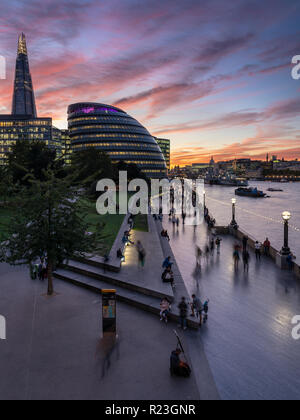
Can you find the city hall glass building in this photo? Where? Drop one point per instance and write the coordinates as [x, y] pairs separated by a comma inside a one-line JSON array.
[[113, 131]]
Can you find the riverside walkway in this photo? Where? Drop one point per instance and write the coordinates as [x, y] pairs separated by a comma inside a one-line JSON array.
[[247, 340]]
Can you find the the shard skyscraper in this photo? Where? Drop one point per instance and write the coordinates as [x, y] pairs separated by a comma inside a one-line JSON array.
[[23, 97]]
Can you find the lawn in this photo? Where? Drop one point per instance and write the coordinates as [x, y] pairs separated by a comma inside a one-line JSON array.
[[6, 215], [111, 225], [141, 223]]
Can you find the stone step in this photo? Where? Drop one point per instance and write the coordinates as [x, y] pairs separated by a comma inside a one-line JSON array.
[[116, 279], [138, 300]]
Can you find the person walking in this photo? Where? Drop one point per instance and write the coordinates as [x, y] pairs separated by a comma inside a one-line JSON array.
[[267, 247], [183, 218], [212, 247], [183, 313], [236, 258], [141, 254], [218, 244], [197, 308], [245, 242], [246, 258], [199, 254], [258, 250]]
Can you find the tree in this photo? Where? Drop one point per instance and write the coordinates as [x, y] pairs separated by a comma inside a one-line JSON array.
[[91, 165], [49, 222], [31, 156], [133, 171]]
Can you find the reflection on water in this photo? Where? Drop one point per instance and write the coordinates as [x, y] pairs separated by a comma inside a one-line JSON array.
[[260, 218]]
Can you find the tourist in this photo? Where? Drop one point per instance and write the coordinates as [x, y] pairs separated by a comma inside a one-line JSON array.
[[120, 255], [168, 276], [126, 239], [174, 221], [183, 217], [218, 244], [183, 313], [258, 250], [164, 310], [199, 254], [141, 253], [246, 258], [290, 261], [177, 222], [167, 263], [245, 242], [267, 246], [130, 221], [197, 308], [212, 247], [207, 253], [236, 258]]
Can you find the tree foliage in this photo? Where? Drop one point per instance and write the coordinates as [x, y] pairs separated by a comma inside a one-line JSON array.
[[49, 222]]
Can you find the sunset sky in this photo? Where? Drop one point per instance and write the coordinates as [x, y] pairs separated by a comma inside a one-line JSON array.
[[213, 76]]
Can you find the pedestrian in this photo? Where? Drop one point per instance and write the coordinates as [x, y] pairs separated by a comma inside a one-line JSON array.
[[258, 250], [267, 246], [183, 218], [245, 242], [177, 222], [236, 258], [197, 308], [199, 254], [183, 313], [167, 263], [290, 261], [168, 276], [141, 253], [218, 244], [164, 310], [212, 247], [246, 258]]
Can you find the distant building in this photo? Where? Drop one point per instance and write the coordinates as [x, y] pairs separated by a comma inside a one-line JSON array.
[[14, 128], [165, 147], [23, 123]]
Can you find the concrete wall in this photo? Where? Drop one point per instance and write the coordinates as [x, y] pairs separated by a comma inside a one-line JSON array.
[[274, 253]]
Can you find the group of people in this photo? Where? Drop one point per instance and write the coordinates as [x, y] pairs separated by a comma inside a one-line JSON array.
[[40, 270], [258, 246], [209, 250], [164, 234], [198, 309]]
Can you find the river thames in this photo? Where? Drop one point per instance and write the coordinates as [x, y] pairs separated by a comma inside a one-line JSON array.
[[260, 218]]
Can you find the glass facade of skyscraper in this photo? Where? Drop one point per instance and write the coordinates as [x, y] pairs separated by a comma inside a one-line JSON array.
[[14, 128], [165, 146], [115, 132]]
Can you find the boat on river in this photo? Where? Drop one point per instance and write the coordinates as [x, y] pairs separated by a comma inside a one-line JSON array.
[[250, 192]]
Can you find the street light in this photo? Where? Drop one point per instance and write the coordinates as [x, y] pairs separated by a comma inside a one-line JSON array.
[[233, 222], [286, 215]]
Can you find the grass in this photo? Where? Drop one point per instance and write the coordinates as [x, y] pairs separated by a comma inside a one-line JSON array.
[[141, 223], [111, 225], [6, 215]]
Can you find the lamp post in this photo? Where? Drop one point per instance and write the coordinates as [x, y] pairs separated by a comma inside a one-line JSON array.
[[233, 222], [286, 215]]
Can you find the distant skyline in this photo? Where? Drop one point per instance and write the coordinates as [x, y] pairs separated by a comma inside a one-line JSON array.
[[214, 77]]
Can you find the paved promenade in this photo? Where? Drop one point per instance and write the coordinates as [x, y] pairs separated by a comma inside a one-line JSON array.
[[248, 339], [54, 348]]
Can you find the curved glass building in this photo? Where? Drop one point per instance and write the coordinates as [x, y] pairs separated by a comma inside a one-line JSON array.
[[115, 132]]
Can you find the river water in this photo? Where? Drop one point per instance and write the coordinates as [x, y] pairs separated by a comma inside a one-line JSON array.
[[260, 218]]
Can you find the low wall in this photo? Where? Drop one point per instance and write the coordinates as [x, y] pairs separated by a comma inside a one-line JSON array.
[[239, 234]]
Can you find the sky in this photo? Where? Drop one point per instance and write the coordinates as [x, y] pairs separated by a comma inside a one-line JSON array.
[[212, 76]]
